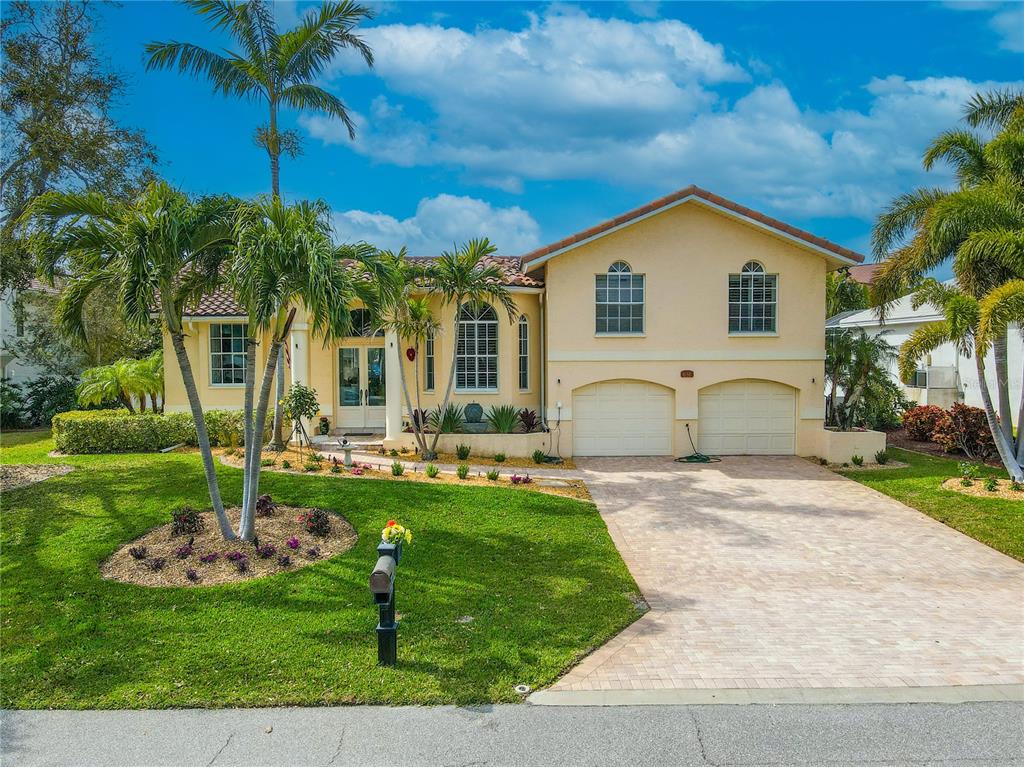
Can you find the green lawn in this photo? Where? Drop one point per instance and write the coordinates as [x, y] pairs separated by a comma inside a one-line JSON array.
[[996, 522], [538, 574]]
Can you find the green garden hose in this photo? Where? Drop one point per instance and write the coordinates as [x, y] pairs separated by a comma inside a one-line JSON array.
[[696, 457]]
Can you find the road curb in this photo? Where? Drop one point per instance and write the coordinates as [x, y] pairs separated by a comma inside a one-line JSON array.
[[792, 695]]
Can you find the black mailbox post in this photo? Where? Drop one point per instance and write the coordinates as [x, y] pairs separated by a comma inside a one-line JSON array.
[[382, 586]]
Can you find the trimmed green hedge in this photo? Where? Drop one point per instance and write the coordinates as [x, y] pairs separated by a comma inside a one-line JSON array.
[[118, 431]]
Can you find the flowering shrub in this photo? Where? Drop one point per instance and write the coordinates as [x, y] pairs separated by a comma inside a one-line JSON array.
[[186, 520], [313, 553], [210, 558], [395, 533], [138, 552], [242, 565], [235, 556], [316, 521], [964, 428], [266, 551], [283, 560], [191, 574], [518, 479], [292, 543], [968, 473], [265, 506], [183, 552], [367, 466], [357, 471], [921, 421]]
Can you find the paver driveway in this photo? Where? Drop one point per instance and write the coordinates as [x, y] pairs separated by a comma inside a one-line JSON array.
[[774, 572]]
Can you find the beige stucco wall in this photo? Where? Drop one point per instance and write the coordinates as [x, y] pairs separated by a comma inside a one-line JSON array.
[[687, 254], [321, 370]]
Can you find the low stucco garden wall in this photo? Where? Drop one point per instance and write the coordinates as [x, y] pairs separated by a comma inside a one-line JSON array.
[[513, 445], [841, 446]]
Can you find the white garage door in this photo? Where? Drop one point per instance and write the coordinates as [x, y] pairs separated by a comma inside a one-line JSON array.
[[747, 418], [622, 418]]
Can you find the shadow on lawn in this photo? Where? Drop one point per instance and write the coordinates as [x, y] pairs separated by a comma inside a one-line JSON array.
[[536, 603]]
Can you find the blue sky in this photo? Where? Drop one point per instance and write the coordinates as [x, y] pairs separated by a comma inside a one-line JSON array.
[[526, 122]]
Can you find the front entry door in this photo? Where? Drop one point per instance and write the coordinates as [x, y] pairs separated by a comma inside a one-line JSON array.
[[361, 388]]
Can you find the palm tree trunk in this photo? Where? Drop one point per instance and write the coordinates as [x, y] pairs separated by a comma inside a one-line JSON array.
[[202, 435], [1003, 385], [420, 426], [126, 400], [278, 443], [408, 406], [247, 440], [451, 377], [247, 528], [1020, 428], [1006, 454]]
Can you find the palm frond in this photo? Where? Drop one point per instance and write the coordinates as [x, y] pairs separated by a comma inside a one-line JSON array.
[[904, 214], [993, 109], [229, 75], [306, 50], [963, 151], [998, 309], [922, 342], [307, 96]]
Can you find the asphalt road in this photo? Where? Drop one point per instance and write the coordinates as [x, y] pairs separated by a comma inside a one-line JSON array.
[[876, 734]]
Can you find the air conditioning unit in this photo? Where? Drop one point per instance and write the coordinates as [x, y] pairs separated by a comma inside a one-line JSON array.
[[942, 377]]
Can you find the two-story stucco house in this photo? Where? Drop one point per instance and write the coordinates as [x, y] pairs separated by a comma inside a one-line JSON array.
[[691, 313]]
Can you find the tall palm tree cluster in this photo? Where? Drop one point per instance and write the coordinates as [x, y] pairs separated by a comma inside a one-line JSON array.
[[978, 228]]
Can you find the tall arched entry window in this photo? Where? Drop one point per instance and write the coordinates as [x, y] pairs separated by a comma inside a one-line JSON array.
[[476, 360]]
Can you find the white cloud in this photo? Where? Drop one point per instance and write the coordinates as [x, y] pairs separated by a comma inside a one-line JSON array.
[[573, 97], [1009, 25], [439, 223]]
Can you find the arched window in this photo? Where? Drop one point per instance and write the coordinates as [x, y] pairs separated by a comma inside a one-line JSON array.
[[476, 360], [619, 301], [362, 324], [752, 300], [524, 353]]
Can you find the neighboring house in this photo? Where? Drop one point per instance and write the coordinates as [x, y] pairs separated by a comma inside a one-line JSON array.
[[689, 312], [945, 376], [13, 322]]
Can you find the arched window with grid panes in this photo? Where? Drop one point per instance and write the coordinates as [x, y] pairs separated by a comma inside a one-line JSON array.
[[476, 360], [524, 353], [753, 300], [619, 301]]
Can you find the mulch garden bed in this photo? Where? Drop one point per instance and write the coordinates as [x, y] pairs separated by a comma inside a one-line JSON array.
[[160, 558], [977, 489], [13, 476], [380, 468]]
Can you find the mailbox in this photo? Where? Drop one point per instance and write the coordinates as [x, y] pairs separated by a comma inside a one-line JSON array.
[[382, 580]]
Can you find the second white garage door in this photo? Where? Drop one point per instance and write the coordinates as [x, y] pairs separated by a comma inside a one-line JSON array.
[[747, 417], [622, 418]]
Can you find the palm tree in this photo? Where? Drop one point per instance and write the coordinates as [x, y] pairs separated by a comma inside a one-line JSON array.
[[969, 328], [979, 227], [117, 382], [462, 277], [284, 255], [860, 363], [152, 371], [278, 68], [160, 250], [411, 319], [843, 293]]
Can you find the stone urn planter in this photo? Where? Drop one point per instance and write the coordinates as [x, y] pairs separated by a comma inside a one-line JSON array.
[[474, 412]]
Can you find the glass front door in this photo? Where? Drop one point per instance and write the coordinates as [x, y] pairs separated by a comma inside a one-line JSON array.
[[361, 387]]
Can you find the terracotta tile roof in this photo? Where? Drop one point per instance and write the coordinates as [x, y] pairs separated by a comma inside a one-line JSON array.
[[221, 303], [694, 191], [865, 273]]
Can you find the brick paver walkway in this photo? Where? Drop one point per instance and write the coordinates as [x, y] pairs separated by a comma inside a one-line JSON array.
[[774, 572]]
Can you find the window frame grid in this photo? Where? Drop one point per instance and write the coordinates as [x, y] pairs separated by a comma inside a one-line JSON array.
[[524, 354], [219, 354], [630, 315], [477, 328], [429, 369], [753, 302]]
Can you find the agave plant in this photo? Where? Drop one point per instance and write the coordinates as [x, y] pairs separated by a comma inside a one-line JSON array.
[[502, 418], [448, 421]]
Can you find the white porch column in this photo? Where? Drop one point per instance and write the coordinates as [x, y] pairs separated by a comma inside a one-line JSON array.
[[392, 386], [298, 347]]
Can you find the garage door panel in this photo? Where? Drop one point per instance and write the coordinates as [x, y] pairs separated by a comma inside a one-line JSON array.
[[623, 418], [747, 417]]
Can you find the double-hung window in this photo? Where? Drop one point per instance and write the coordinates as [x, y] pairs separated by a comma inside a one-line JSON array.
[[227, 353], [753, 297], [476, 354], [619, 301], [524, 353]]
